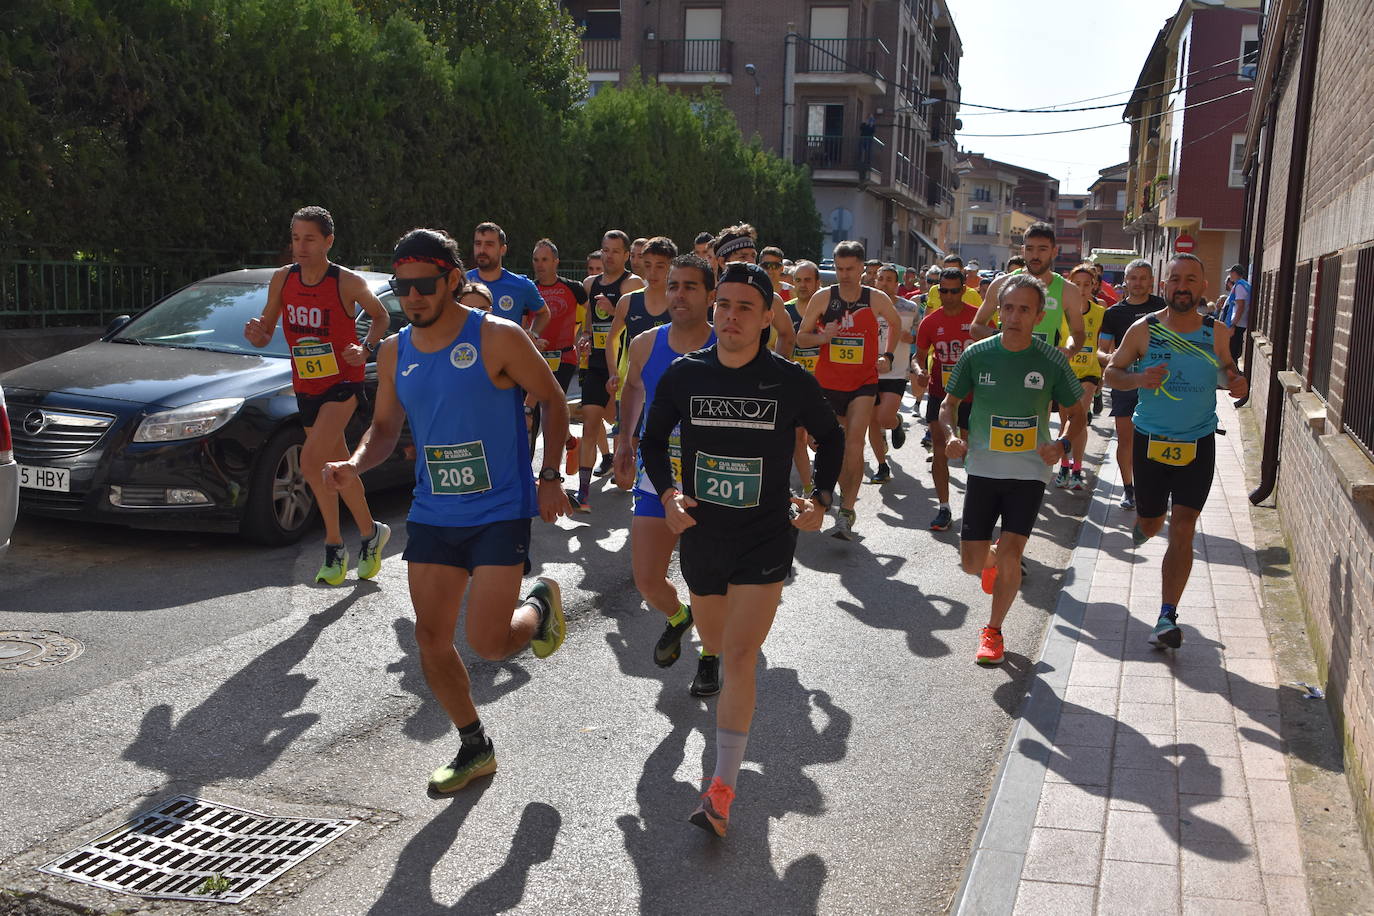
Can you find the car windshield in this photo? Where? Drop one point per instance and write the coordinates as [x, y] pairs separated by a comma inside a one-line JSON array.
[[205, 315]]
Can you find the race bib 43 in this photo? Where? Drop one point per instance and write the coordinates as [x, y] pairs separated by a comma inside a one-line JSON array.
[[1174, 452]]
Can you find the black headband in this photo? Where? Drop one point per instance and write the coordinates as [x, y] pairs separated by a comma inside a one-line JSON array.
[[752, 274]]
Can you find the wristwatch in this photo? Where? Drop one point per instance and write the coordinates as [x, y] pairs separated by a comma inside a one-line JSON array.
[[551, 475], [371, 347]]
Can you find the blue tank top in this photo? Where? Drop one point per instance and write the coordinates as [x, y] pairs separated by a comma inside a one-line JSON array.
[[1185, 406], [660, 358], [472, 455]]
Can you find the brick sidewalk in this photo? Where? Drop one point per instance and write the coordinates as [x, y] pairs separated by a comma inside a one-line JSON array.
[[1143, 781]]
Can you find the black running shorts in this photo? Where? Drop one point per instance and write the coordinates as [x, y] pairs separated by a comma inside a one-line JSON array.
[[840, 400], [1124, 401], [594, 393], [1016, 502], [711, 563], [933, 402], [310, 404], [892, 386], [1157, 483]]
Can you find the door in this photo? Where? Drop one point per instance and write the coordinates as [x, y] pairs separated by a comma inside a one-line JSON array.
[[824, 135], [701, 51], [829, 29]]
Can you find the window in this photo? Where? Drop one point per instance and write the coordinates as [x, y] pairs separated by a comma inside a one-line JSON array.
[[979, 226], [1357, 412], [982, 192], [1121, 199], [1249, 51], [1237, 176], [1324, 325], [1302, 304]]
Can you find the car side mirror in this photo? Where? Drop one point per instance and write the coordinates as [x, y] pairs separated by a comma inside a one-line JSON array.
[[117, 324]]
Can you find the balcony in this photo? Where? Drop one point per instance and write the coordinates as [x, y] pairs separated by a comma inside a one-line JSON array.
[[600, 56], [944, 72], [840, 158], [842, 62], [695, 61]]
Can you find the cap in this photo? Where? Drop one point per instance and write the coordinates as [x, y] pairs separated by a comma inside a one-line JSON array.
[[752, 274]]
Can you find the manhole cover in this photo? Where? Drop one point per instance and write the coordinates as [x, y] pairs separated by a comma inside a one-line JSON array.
[[193, 849], [26, 649]]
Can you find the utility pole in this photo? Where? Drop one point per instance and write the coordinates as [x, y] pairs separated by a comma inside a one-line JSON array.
[[789, 92]]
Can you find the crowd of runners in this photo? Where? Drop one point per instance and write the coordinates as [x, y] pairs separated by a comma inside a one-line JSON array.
[[732, 391]]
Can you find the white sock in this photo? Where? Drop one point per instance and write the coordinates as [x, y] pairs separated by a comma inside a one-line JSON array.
[[729, 754]]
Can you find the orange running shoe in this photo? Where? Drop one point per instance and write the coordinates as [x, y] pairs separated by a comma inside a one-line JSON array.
[[989, 647], [714, 811], [989, 578]]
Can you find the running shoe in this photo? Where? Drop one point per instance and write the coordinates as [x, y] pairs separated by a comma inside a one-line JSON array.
[[1138, 537], [925, 440], [1061, 479], [882, 475], [605, 467], [713, 813], [1097, 404], [899, 434], [707, 681], [989, 647], [335, 568], [1128, 497], [942, 519], [370, 551], [578, 503], [1166, 633], [669, 646], [467, 766], [547, 596], [1076, 481], [989, 578], [844, 524]]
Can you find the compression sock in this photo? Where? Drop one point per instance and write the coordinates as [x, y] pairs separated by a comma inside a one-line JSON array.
[[729, 754], [1078, 465], [943, 506], [584, 482], [474, 738], [1168, 610], [683, 612], [1064, 463]]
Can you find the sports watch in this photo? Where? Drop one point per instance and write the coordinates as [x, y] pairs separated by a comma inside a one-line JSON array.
[[551, 475]]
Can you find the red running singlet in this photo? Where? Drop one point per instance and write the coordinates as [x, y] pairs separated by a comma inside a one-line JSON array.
[[317, 328], [850, 360]]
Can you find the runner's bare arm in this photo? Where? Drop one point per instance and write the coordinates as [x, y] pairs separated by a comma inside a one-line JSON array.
[[1075, 417], [510, 356], [808, 334], [1133, 347], [258, 331], [355, 289], [631, 406], [949, 409], [987, 311], [1073, 313], [539, 321], [787, 336], [387, 419], [622, 309], [884, 309]]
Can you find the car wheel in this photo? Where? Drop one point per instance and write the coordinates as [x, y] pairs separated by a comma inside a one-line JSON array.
[[281, 505]]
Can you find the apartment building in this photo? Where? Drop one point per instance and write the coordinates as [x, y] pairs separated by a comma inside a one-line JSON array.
[[1188, 120], [993, 204], [1101, 222], [1067, 231], [864, 92]]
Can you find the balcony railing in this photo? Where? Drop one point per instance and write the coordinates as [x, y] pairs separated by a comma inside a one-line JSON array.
[[944, 68], [841, 55], [827, 151], [694, 55], [600, 54]]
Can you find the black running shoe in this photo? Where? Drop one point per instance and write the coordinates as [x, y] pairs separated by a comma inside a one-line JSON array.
[[899, 434], [669, 646], [925, 441], [1097, 404], [707, 681], [942, 520], [605, 467], [882, 475]]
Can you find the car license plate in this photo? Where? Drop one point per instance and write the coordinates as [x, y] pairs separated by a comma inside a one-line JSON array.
[[56, 479]]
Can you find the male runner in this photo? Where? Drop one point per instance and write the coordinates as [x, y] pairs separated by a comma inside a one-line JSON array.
[[513, 296], [1236, 311], [1015, 263], [603, 293], [1013, 376], [772, 260], [595, 263], [1086, 367], [1062, 298], [806, 279], [642, 309], [562, 298], [944, 332], [870, 276], [971, 294], [689, 287], [911, 285], [843, 321], [456, 375], [739, 243], [702, 245], [737, 405], [892, 383], [318, 301], [1139, 302], [1102, 292], [636, 250], [1184, 355]]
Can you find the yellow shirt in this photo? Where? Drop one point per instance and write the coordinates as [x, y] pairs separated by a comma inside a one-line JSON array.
[[1085, 362], [972, 297]]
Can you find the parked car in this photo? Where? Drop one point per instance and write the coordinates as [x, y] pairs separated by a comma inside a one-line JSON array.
[[173, 420], [9, 479]]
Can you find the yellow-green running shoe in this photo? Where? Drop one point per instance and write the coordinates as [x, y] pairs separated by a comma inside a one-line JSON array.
[[552, 627], [466, 767], [335, 568], [370, 553]]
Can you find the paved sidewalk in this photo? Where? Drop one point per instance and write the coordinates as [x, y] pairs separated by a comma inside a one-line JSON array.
[[1142, 781]]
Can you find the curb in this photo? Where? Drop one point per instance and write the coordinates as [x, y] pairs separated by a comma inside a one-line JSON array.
[[993, 874]]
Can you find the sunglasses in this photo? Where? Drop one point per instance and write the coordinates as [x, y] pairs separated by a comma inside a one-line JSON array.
[[425, 286], [769, 265], [952, 292]]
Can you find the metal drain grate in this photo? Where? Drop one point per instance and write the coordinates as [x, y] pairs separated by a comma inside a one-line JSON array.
[[192, 849]]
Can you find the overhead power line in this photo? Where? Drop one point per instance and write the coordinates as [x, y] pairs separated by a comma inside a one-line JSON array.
[[1075, 130]]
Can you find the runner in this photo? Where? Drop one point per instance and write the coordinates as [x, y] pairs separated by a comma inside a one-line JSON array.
[[911, 284], [1236, 311], [317, 301], [1184, 356], [562, 297], [1103, 292], [1139, 302], [870, 277], [1012, 376], [944, 333], [702, 245], [1086, 367], [772, 260], [469, 522], [971, 295], [1015, 263], [739, 243], [1061, 297], [806, 279], [843, 321], [603, 293], [513, 297], [737, 405], [892, 383], [689, 287], [594, 263], [642, 309], [636, 250]]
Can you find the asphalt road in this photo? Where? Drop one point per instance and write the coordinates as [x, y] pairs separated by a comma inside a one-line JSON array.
[[209, 669]]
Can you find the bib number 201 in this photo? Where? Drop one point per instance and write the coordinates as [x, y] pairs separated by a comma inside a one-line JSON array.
[[732, 482]]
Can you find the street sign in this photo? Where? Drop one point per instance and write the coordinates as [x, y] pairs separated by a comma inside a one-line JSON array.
[[1184, 244]]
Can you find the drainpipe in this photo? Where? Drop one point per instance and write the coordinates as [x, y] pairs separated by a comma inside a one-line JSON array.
[[1257, 219], [1288, 253], [789, 92]]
